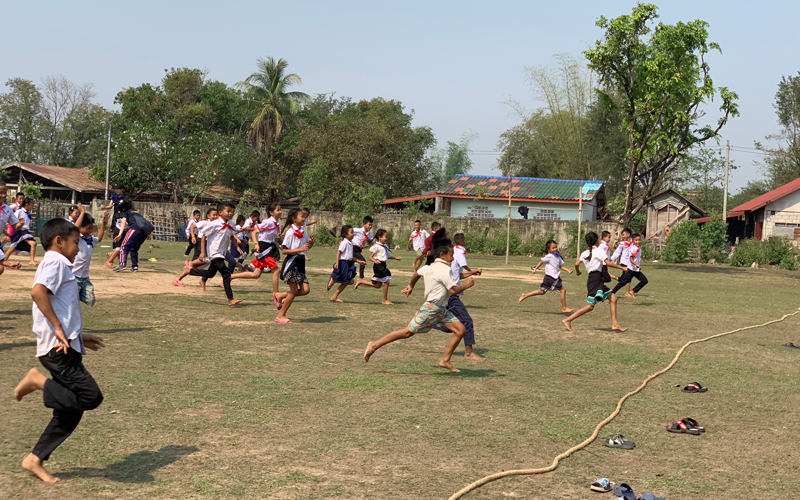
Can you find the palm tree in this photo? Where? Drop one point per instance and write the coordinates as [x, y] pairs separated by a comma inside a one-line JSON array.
[[269, 87]]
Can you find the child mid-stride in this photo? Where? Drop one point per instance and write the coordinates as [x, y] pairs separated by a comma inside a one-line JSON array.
[[553, 265], [439, 286]]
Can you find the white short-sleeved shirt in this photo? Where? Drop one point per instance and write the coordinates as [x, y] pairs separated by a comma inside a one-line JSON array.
[[70, 219], [80, 268], [22, 215], [438, 282], [218, 238], [239, 233], [55, 273], [248, 223], [635, 257], [361, 237], [458, 264], [595, 263], [418, 239], [552, 264], [189, 227], [7, 216], [346, 249], [379, 252], [268, 230], [294, 239], [604, 247], [622, 253]]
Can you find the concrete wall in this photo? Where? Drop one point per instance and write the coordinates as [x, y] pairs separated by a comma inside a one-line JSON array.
[[468, 207], [785, 219]]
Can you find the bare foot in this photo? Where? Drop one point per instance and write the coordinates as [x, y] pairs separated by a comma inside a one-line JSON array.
[[567, 310], [617, 328], [630, 294], [387, 303], [568, 324], [358, 284], [369, 352], [33, 464], [233, 302], [449, 366], [33, 380], [473, 356], [32, 263], [521, 298], [336, 300], [330, 284]]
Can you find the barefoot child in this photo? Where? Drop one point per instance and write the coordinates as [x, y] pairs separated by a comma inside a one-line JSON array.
[[191, 237], [623, 253], [266, 249], [8, 219], [22, 240], [361, 238], [417, 238], [59, 346], [83, 259], [197, 232], [553, 264], [216, 240], [379, 254], [295, 245], [439, 287], [634, 269], [4, 264], [593, 258], [344, 269]]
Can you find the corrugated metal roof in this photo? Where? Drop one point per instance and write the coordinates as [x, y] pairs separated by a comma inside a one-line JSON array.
[[73, 178], [523, 188], [766, 198]]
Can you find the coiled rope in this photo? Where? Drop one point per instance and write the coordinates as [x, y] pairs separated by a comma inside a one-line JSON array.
[[554, 465]]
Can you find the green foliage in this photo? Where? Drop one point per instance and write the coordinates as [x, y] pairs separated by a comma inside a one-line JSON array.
[[701, 172], [537, 246], [476, 242], [571, 246], [777, 249], [497, 245], [32, 190], [789, 262], [685, 236], [416, 207], [324, 237], [446, 164], [312, 190], [360, 202], [714, 241], [390, 239], [782, 150], [747, 252]]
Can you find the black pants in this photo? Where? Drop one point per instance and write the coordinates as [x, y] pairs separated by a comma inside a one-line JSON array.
[[197, 248], [628, 277], [71, 392], [191, 246], [217, 265], [358, 256]]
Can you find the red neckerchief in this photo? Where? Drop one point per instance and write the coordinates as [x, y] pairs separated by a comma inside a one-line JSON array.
[[297, 232], [225, 225], [625, 244], [633, 253], [276, 226], [458, 247]]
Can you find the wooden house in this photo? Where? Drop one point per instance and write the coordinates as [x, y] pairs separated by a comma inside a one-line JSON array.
[[664, 210]]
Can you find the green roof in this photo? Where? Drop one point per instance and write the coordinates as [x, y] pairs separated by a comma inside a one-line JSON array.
[[532, 188]]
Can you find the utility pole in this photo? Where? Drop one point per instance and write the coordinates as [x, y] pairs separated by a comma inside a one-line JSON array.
[[725, 194], [508, 222], [108, 160], [580, 216]]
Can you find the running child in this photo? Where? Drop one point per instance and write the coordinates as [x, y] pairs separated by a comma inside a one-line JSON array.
[[18, 199], [197, 231], [553, 265], [426, 250], [593, 258], [379, 255], [22, 240], [80, 268], [216, 239], [361, 238], [8, 219], [634, 269], [344, 269], [605, 237], [417, 238], [295, 245], [265, 248], [60, 346], [191, 237], [439, 287], [623, 254], [247, 229]]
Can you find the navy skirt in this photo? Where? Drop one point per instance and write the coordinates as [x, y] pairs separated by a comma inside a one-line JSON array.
[[345, 273]]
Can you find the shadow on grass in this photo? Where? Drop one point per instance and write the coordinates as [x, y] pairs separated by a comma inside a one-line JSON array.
[[322, 319], [117, 330], [17, 312], [470, 373], [8, 347], [137, 468], [713, 270]]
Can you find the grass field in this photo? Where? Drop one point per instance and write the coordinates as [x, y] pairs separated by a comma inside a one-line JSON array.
[[205, 401]]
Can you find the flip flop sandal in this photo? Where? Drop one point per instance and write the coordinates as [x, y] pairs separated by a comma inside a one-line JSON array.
[[649, 496], [693, 423], [177, 283], [624, 491], [679, 427], [695, 387], [619, 441], [602, 485], [278, 304], [285, 321], [792, 345]]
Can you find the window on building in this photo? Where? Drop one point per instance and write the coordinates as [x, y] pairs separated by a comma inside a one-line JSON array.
[[480, 212], [546, 214]]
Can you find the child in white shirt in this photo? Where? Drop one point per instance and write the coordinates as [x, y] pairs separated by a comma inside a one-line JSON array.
[[86, 244], [553, 264], [344, 269], [361, 237], [379, 255], [439, 286], [190, 236], [634, 269], [265, 248], [623, 254], [60, 345], [22, 240], [594, 258], [294, 246], [417, 239]]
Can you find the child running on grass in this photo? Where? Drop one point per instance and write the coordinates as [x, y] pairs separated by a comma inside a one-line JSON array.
[[417, 238], [344, 269], [362, 237], [191, 237], [379, 254], [60, 346], [197, 232], [634, 269], [80, 268], [593, 258], [22, 240], [266, 251], [623, 254], [439, 287], [553, 265], [295, 245], [427, 249]]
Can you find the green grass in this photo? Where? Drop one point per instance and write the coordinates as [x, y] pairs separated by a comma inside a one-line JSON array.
[[204, 401]]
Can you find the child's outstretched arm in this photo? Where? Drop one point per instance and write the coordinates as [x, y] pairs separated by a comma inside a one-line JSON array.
[[410, 288], [41, 296], [566, 269], [468, 283], [102, 231], [81, 212], [610, 263], [202, 255], [578, 267]]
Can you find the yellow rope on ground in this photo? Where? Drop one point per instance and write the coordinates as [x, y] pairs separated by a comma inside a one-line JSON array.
[[553, 466]]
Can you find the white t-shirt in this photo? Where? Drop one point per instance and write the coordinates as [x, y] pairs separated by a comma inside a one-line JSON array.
[[458, 264], [597, 260], [54, 273], [622, 253], [635, 257], [438, 282], [22, 215], [218, 238], [604, 247], [552, 265], [418, 239], [192, 223], [346, 247], [379, 252], [7, 216], [361, 235], [268, 230], [80, 268]]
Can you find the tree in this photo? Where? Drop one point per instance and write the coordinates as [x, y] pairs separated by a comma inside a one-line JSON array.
[[752, 190], [782, 160], [446, 164], [700, 175], [662, 79], [20, 121]]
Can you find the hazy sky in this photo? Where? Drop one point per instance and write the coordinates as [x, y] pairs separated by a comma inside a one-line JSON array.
[[453, 63]]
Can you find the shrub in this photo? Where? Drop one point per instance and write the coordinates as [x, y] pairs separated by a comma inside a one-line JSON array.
[[777, 249], [497, 245], [324, 237], [789, 262], [685, 236], [476, 242], [714, 240], [648, 250], [747, 252], [571, 245]]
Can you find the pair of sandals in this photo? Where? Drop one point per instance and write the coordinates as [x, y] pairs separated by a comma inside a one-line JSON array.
[[695, 387], [623, 491], [686, 426], [619, 441]]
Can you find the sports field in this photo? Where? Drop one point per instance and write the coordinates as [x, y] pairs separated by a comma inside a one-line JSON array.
[[206, 401]]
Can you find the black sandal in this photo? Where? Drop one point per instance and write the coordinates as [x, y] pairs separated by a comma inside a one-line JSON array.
[[693, 423], [695, 387], [620, 442]]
